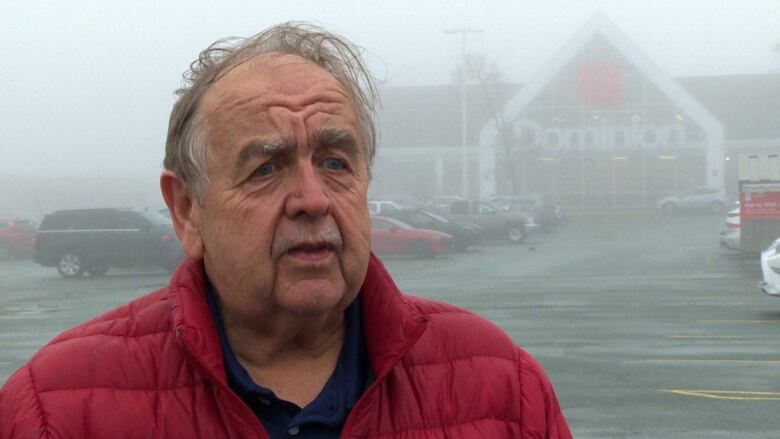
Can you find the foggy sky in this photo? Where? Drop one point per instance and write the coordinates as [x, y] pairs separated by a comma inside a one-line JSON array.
[[87, 85]]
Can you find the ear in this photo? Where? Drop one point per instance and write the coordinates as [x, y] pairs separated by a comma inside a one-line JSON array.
[[185, 213]]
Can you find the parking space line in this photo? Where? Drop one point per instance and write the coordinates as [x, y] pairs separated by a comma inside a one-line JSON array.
[[734, 395], [718, 337], [709, 360], [739, 321]]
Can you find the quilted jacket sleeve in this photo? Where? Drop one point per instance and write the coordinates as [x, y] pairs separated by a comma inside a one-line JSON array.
[[541, 396], [21, 416]]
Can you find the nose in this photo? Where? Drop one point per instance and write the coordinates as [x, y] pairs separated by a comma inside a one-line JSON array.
[[308, 197]]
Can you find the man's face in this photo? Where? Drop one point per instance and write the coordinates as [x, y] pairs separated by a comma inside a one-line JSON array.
[[284, 222]]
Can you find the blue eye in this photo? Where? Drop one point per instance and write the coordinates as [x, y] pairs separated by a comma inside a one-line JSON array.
[[265, 169], [334, 164]]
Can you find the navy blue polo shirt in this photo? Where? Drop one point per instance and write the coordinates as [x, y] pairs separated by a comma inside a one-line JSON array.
[[325, 416]]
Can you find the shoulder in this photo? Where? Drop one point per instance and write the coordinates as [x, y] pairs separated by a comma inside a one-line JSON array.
[[461, 333], [133, 319], [120, 335], [455, 333], [469, 355], [96, 354]]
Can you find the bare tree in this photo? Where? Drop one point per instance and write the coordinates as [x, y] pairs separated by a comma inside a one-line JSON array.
[[490, 78]]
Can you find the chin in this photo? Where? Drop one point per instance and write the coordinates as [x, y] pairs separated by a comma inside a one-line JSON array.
[[313, 297]]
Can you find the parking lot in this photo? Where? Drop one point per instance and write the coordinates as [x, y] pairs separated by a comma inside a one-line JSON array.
[[645, 326]]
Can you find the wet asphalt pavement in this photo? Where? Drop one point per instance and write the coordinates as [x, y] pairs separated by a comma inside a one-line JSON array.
[[645, 326]]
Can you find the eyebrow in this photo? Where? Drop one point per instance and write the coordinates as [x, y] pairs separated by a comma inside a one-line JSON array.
[[336, 138], [261, 148]]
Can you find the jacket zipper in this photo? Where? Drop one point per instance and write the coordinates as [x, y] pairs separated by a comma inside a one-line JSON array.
[[256, 431], [348, 425]]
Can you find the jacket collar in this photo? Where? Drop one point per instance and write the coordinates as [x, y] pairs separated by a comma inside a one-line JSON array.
[[390, 323], [192, 321]]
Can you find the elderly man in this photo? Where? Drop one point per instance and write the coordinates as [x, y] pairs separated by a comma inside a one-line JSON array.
[[280, 322]]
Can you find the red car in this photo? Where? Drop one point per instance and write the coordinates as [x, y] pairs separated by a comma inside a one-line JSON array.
[[392, 236], [17, 237]]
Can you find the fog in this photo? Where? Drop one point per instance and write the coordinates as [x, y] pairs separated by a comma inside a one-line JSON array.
[[87, 86], [578, 180]]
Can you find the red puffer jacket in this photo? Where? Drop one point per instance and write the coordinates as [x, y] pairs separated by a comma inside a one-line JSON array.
[[153, 369]]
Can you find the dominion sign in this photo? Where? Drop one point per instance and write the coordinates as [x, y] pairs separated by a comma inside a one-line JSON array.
[[602, 136]]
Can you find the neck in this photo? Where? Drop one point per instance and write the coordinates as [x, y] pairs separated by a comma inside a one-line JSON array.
[[292, 355], [283, 337]]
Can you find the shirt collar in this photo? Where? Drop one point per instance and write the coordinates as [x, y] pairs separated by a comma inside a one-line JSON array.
[[341, 391]]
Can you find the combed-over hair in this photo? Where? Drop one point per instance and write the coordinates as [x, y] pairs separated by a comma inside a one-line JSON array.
[[187, 147]]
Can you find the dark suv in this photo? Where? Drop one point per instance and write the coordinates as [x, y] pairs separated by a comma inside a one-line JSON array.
[[94, 240]]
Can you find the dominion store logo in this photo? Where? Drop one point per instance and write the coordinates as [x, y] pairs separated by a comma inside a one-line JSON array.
[[602, 136]]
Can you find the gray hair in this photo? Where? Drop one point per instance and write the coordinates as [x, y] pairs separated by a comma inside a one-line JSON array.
[[187, 146]]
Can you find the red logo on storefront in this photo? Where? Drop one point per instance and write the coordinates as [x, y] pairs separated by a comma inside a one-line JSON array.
[[600, 83]]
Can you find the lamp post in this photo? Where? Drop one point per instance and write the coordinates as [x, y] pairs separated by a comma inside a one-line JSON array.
[[463, 113]]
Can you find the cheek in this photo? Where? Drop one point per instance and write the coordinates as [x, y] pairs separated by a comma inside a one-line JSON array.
[[355, 224], [351, 202], [241, 232]]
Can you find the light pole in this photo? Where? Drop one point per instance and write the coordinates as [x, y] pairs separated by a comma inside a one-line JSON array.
[[463, 114]]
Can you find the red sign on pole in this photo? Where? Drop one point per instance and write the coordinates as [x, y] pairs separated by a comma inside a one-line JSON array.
[[760, 201]]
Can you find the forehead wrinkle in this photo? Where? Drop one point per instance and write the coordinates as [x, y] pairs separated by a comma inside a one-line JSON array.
[[258, 106], [264, 89], [257, 101], [327, 101], [231, 103]]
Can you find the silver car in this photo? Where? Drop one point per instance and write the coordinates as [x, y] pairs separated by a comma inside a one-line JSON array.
[[695, 198]]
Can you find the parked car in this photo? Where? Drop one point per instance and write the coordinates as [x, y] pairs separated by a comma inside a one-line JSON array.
[[730, 235], [770, 269], [442, 204], [547, 215], [404, 201], [17, 238], [95, 240], [695, 198], [496, 222], [381, 207], [463, 234], [390, 236]]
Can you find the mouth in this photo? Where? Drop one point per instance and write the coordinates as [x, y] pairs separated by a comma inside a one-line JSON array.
[[312, 251]]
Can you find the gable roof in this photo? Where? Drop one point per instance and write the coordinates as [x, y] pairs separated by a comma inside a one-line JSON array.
[[600, 27], [743, 106], [747, 105]]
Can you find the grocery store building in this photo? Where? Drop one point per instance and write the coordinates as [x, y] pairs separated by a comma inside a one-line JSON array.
[[600, 125]]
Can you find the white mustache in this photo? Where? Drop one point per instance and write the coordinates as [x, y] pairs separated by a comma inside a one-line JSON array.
[[308, 234]]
